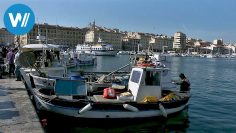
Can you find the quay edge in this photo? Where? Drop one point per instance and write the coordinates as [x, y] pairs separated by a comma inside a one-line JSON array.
[[17, 113]]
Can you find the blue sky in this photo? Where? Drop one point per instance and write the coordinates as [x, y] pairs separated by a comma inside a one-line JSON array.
[[204, 19]]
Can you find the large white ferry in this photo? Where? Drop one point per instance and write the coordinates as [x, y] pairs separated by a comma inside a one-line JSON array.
[[98, 49]]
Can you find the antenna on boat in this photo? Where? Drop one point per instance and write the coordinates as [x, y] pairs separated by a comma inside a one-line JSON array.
[[39, 34], [94, 31], [138, 47], [46, 36], [150, 47], [99, 38]]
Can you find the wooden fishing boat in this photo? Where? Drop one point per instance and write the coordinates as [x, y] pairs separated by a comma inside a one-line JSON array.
[[143, 98]]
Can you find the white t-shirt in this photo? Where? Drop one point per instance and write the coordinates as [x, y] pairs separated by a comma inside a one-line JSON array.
[[16, 60]]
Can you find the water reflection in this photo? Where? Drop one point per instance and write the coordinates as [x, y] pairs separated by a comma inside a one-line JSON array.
[[174, 123], [177, 123]]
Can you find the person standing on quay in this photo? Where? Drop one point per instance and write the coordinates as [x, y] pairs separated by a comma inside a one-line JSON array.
[[17, 65], [4, 52], [10, 60], [1, 63]]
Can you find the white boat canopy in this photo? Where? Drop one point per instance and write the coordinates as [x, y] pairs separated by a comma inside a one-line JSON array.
[[40, 47]]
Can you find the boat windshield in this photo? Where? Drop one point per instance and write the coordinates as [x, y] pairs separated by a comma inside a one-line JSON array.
[[152, 78], [136, 76]]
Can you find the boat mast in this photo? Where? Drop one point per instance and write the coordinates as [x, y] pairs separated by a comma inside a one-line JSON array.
[[39, 35], [138, 47], [46, 40]]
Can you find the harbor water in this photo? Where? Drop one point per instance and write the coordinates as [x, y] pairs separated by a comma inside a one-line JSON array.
[[212, 107]]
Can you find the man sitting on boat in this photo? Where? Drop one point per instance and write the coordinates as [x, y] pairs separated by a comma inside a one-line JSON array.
[[184, 83]]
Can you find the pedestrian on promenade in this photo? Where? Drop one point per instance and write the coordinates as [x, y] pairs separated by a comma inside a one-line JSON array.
[[10, 61], [1, 63], [17, 65], [4, 52], [1, 57]]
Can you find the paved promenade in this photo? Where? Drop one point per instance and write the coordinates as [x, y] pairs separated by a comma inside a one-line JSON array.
[[17, 114]]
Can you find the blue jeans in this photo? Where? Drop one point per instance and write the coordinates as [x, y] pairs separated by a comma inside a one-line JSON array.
[[17, 72]]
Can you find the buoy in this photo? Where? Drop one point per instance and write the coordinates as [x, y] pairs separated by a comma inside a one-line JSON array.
[[130, 107], [163, 111], [85, 108]]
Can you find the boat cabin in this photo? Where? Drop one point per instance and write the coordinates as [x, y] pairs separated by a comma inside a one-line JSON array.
[[145, 82], [45, 54]]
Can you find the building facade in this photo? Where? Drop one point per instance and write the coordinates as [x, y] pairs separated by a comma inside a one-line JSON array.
[[190, 42], [109, 36], [179, 42], [202, 44], [132, 41], [6, 38], [55, 34], [161, 43], [218, 42]]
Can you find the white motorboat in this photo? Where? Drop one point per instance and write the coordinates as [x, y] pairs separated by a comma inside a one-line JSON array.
[[68, 59], [40, 60], [99, 49], [84, 59], [123, 53]]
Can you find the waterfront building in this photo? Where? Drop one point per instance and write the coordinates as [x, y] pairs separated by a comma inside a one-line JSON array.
[[201, 43], [6, 38], [130, 41], [145, 39], [233, 48], [229, 49], [134, 40], [218, 42], [218, 46], [55, 34], [109, 36], [202, 46], [161, 43], [190, 42], [179, 42], [215, 49]]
